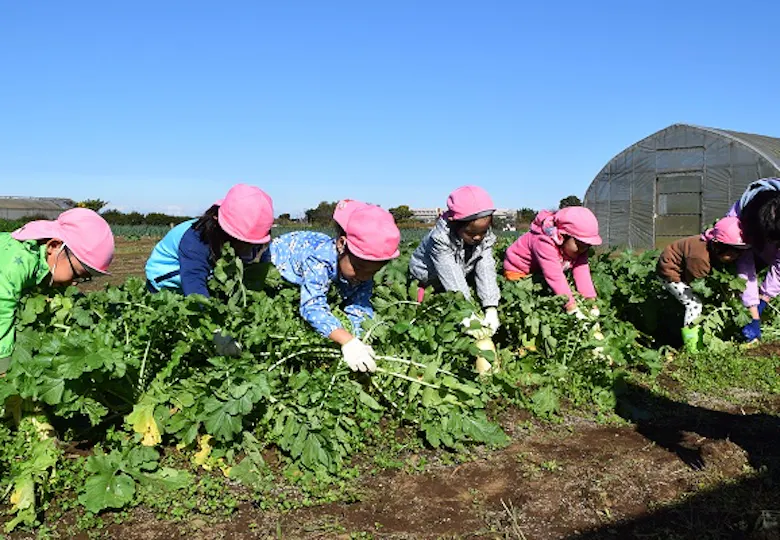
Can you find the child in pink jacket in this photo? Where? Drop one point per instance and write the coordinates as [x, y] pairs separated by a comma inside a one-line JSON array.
[[557, 242]]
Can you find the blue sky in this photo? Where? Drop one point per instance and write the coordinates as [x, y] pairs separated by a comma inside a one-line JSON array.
[[164, 105]]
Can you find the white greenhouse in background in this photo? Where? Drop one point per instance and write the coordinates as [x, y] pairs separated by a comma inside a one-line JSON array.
[[676, 182]]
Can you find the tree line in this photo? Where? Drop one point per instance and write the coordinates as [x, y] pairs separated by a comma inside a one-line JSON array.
[[116, 217], [320, 216]]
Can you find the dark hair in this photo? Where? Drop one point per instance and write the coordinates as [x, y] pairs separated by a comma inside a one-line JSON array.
[[211, 232], [760, 219], [717, 249], [339, 233]]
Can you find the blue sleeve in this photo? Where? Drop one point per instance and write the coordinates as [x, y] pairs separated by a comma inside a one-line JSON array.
[[315, 284], [194, 264], [359, 306]]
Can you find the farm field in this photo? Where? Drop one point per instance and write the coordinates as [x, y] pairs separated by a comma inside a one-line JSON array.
[[635, 440]]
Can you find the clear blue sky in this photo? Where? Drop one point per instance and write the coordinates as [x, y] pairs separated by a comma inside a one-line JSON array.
[[164, 105]]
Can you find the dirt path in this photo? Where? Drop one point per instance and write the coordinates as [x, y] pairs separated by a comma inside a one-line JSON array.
[[679, 472], [129, 260]]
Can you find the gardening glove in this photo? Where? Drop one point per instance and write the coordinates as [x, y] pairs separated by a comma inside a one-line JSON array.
[[226, 344], [577, 313], [691, 336], [491, 319], [762, 306], [685, 295], [594, 312], [752, 331], [358, 356]]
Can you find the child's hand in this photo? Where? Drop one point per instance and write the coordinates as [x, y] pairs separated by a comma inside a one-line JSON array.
[[752, 331], [226, 345], [577, 313], [491, 319]]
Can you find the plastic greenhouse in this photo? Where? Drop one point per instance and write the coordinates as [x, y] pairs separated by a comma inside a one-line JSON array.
[[676, 182]]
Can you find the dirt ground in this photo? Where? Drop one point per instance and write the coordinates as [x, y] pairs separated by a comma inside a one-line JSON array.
[[675, 468], [129, 260], [679, 471]]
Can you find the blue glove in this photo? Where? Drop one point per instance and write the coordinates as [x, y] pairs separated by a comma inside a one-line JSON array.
[[761, 307], [752, 331]]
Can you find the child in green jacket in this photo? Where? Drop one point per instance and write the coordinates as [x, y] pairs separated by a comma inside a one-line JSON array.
[[73, 248]]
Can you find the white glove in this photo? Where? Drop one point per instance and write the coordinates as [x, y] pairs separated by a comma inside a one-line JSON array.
[[491, 319], [226, 344], [594, 312], [685, 295], [578, 314], [358, 356]]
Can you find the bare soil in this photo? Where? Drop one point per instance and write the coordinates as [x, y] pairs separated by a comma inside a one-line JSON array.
[[129, 260], [678, 472]]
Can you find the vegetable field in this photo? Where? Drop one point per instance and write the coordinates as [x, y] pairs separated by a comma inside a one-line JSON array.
[[118, 413]]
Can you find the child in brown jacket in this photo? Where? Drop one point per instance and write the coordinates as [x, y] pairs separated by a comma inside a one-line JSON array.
[[691, 258]]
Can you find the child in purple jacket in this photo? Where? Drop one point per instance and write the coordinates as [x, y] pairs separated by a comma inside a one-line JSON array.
[[759, 213]]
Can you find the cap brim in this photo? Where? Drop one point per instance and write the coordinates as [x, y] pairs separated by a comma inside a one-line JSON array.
[[94, 271], [592, 240], [367, 257], [477, 215], [37, 230], [262, 240], [232, 232]]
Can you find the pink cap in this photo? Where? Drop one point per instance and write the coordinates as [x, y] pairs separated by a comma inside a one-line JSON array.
[[84, 231], [726, 231], [469, 202], [371, 231], [579, 222], [246, 213]]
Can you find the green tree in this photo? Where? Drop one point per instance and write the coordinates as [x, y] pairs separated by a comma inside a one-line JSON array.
[[401, 213], [525, 216], [322, 215], [571, 200], [93, 204]]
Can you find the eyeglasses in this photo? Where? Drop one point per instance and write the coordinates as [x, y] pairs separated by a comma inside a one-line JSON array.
[[76, 277]]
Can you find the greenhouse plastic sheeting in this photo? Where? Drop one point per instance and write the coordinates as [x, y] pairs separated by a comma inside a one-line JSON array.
[[678, 180]]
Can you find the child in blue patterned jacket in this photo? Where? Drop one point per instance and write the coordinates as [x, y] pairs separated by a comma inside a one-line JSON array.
[[367, 239]]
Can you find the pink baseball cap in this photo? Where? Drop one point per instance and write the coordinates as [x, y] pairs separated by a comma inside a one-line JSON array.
[[83, 231], [469, 202], [246, 213], [371, 231], [579, 222], [727, 231]]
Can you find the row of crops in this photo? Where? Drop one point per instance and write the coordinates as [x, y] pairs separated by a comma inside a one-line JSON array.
[[152, 231], [135, 232], [133, 378]]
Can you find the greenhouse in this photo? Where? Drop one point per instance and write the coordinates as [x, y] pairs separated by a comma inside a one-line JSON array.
[[677, 181], [13, 208]]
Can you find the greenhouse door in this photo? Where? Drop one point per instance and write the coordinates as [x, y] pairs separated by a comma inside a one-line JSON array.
[[677, 206]]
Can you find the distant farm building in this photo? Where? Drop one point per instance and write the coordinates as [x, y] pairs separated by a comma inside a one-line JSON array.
[[676, 182], [429, 215], [13, 208], [426, 215]]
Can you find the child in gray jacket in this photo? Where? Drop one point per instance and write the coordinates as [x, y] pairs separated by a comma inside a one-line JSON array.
[[459, 245]]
